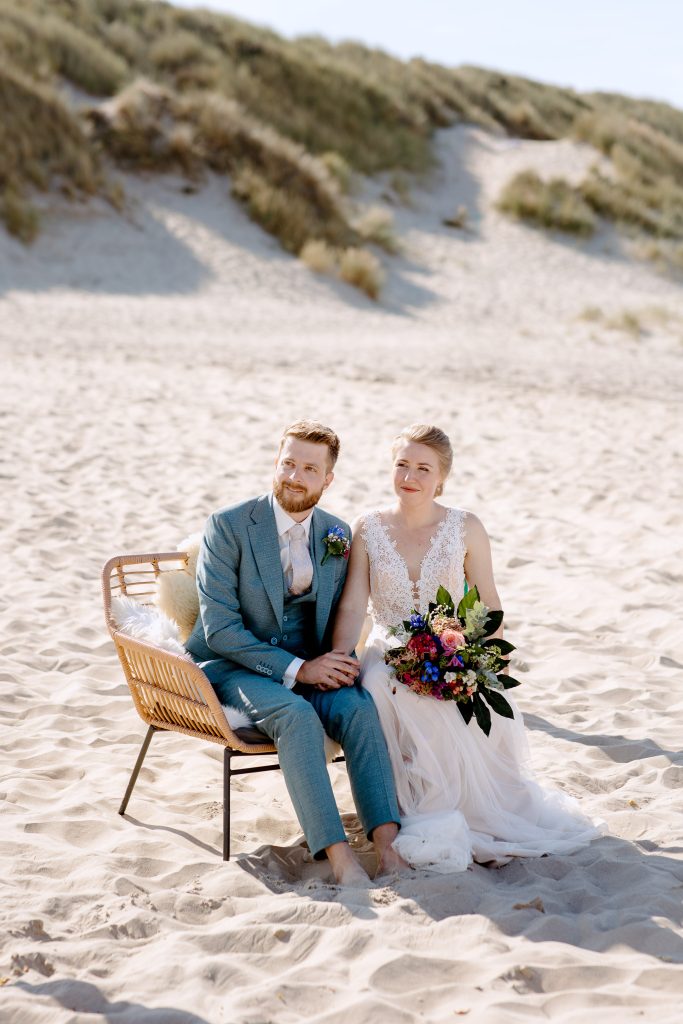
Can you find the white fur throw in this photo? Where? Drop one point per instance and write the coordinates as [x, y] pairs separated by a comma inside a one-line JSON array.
[[145, 623]]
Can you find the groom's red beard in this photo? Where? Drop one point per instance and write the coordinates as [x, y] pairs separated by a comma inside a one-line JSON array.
[[295, 499]]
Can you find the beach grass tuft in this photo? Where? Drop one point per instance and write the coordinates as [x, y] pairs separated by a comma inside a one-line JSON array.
[[549, 204]]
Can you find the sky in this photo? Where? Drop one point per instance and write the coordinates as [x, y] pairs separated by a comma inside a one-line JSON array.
[[629, 46]]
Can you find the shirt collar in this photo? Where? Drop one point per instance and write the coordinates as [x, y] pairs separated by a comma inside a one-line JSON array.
[[284, 522]]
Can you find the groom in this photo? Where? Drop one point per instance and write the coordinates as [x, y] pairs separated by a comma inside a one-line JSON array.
[[263, 639]]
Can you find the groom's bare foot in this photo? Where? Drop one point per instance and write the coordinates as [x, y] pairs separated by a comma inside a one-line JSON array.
[[389, 861], [346, 869]]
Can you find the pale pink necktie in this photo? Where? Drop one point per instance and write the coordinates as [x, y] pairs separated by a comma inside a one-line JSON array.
[[300, 557]]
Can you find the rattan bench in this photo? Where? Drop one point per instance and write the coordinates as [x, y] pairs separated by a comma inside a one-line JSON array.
[[171, 693]]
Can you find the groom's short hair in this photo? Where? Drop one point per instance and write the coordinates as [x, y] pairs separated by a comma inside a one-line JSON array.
[[316, 433]]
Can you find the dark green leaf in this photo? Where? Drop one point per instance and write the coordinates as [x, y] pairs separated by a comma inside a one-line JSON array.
[[499, 704], [508, 682], [482, 714], [494, 620], [466, 710], [443, 597], [505, 646]]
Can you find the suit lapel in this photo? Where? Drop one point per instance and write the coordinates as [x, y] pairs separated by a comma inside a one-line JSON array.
[[325, 574], [266, 549]]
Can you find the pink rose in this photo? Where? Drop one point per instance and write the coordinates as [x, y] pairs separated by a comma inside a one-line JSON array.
[[452, 639]]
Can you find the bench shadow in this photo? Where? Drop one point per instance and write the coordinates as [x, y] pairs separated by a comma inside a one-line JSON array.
[[214, 851]]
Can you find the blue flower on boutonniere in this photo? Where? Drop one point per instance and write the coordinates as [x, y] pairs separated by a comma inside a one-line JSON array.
[[336, 543]]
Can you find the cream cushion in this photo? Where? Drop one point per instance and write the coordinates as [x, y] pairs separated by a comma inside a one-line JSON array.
[[177, 594]]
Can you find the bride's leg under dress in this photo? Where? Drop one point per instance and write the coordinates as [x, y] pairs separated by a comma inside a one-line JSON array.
[[463, 795]]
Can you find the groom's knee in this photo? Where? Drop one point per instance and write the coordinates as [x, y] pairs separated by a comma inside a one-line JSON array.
[[354, 708], [296, 718]]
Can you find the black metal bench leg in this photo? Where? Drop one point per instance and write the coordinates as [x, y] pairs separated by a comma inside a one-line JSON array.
[[138, 765], [227, 754]]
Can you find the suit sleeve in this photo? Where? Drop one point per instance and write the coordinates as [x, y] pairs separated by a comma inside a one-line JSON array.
[[226, 634]]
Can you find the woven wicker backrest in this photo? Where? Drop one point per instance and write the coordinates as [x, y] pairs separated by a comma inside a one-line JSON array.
[[169, 691]]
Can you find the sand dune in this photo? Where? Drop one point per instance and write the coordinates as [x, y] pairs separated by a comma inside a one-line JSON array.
[[150, 363]]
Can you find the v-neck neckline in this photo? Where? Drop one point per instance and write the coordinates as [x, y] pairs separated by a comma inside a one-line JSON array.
[[414, 584]]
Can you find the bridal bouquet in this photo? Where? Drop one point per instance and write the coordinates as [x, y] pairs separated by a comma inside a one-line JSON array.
[[451, 655]]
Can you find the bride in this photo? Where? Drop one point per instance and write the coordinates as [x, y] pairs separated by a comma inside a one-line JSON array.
[[462, 795]]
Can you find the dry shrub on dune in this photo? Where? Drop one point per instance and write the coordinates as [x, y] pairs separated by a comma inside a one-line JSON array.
[[138, 127], [320, 257], [549, 204], [363, 270], [377, 225], [284, 188], [19, 215]]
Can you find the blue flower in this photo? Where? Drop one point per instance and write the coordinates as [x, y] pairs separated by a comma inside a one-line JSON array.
[[431, 673], [417, 622]]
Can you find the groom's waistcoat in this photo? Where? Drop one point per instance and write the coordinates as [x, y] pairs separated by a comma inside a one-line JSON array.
[[298, 623], [246, 614]]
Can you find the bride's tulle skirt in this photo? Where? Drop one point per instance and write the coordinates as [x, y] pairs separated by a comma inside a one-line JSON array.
[[463, 795]]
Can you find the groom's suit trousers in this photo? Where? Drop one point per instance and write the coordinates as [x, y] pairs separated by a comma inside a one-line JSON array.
[[297, 722]]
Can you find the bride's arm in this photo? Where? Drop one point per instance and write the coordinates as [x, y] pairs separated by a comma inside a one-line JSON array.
[[353, 604], [478, 565]]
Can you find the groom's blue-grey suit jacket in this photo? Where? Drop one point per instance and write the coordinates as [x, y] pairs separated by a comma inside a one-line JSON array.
[[242, 589]]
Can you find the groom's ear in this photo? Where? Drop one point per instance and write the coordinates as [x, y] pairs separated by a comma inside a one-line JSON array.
[[328, 480]]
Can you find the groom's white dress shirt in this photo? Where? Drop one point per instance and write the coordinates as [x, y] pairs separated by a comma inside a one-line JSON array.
[[284, 523]]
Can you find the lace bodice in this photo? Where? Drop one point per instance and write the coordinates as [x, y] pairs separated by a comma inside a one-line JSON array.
[[392, 593]]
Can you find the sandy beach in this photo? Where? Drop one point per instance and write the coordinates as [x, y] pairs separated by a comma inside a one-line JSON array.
[[150, 362]]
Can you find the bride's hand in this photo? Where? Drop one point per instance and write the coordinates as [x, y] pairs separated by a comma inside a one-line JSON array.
[[330, 671]]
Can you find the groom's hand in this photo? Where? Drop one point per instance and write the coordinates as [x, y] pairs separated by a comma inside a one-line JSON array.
[[330, 671]]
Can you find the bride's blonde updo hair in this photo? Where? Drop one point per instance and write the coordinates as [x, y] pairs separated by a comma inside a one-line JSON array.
[[434, 438]]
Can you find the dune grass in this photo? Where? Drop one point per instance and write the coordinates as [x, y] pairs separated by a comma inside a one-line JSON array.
[[549, 204], [42, 146], [291, 121]]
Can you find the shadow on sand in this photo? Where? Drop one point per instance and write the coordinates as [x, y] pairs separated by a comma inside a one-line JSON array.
[[84, 997]]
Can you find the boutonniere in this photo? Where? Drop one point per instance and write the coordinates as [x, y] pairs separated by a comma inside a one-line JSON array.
[[336, 543]]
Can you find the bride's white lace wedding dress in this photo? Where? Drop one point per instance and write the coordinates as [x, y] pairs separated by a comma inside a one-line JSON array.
[[462, 795]]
